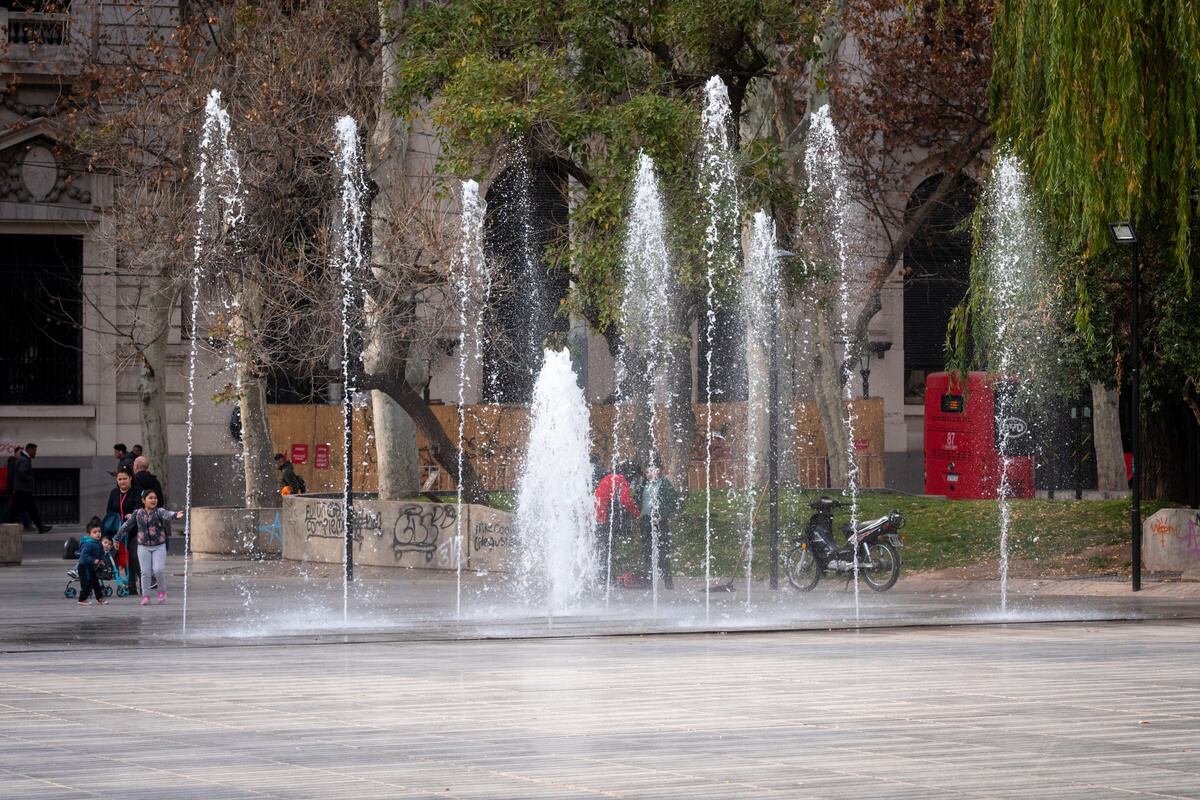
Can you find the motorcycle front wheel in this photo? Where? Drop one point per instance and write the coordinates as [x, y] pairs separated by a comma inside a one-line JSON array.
[[881, 567], [801, 566]]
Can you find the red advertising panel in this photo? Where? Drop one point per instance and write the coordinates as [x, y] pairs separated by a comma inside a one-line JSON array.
[[299, 454], [321, 457], [962, 459]]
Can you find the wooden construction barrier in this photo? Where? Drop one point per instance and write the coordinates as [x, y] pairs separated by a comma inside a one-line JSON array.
[[494, 436]]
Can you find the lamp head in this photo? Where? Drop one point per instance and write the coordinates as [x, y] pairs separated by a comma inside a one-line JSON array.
[[1122, 232]]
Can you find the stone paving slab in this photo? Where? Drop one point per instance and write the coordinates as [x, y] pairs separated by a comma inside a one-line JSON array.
[[273, 694], [1061, 710]]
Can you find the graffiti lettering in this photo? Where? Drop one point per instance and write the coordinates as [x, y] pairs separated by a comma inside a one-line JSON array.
[[1191, 539], [324, 521], [419, 528], [490, 535], [1163, 529]]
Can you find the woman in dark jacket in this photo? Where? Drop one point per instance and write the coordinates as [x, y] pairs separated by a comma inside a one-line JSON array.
[[123, 500]]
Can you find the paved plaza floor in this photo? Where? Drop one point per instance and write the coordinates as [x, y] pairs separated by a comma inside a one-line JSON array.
[[418, 692]]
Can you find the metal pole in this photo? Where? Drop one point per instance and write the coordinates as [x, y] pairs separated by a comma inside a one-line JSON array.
[[773, 443], [1135, 430], [348, 450]]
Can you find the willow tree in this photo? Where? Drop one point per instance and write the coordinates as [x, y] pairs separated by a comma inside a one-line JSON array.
[[1102, 100]]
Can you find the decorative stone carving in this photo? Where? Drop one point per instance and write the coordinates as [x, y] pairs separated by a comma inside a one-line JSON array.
[[39, 173]]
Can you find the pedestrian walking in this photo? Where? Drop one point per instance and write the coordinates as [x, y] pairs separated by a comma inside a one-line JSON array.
[[23, 486], [123, 457], [7, 497], [617, 507], [123, 500], [150, 524], [659, 503]]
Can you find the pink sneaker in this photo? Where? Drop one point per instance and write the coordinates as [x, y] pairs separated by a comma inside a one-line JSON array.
[[162, 598], [145, 599]]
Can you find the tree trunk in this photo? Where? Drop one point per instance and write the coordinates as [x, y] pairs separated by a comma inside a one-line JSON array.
[[830, 402], [683, 416], [441, 448], [1106, 435], [1164, 452], [397, 460], [262, 488], [152, 375]]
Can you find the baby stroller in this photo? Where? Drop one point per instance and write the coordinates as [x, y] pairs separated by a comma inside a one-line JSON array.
[[106, 572]]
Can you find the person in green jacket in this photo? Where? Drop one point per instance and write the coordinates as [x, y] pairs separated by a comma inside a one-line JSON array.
[[288, 479], [659, 503]]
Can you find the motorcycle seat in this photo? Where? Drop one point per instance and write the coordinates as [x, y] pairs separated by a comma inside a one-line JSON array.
[[868, 525]]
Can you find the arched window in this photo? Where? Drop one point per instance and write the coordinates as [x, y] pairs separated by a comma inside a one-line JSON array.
[[526, 212], [937, 266]]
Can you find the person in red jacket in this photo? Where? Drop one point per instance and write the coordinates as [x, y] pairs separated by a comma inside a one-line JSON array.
[[618, 483], [617, 508]]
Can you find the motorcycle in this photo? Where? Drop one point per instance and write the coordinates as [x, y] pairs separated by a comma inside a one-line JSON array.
[[816, 553]]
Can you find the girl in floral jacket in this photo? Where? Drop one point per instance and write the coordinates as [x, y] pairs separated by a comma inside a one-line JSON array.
[[150, 522]]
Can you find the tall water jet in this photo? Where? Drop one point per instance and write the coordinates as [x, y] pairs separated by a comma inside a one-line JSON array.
[[643, 356], [218, 170], [823, 163], [471, 283], [719, 186], [555, 508], [351, 262], [760, 307], [1012, 260]]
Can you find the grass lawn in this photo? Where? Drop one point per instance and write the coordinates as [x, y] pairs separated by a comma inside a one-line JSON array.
[[938, 533], [1049, 535]]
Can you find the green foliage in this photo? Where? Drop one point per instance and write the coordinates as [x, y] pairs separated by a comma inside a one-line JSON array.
[[1102, 99], [586, 85]]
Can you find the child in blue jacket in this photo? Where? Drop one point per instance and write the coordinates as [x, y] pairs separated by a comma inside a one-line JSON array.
[[92, 556]]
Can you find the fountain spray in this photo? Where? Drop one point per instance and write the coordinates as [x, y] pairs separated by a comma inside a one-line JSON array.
[[1013, 259], [823, 162], [719, 185], [471, 282], [351, 262], [218, 169], [760, 292]]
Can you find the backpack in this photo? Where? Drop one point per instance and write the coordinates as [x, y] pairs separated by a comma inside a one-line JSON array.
[[70, 549]]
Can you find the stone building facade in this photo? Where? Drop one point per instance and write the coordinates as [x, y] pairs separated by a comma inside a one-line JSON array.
[[67, 381]]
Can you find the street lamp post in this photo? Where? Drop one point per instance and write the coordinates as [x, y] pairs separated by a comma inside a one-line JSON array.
[[1124, 235], [876, 349]]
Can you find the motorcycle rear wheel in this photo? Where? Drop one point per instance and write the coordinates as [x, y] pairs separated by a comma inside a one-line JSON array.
[[885, 566], [803, 573]]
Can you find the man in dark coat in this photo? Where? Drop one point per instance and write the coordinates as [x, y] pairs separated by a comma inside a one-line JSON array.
[[22, 486], [144, 479], [122, 455]]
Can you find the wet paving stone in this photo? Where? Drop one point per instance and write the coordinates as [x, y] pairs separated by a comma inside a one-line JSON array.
[[115, 701]]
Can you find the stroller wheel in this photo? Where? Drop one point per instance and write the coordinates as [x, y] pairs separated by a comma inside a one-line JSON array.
[[70, 591], [122, 591], [108, 591]]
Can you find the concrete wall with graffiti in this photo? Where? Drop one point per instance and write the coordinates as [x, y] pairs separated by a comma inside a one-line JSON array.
[[242, 532], [1171, 540], [396, 534]]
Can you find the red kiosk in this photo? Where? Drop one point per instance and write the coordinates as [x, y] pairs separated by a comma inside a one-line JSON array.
[[963, 439]]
